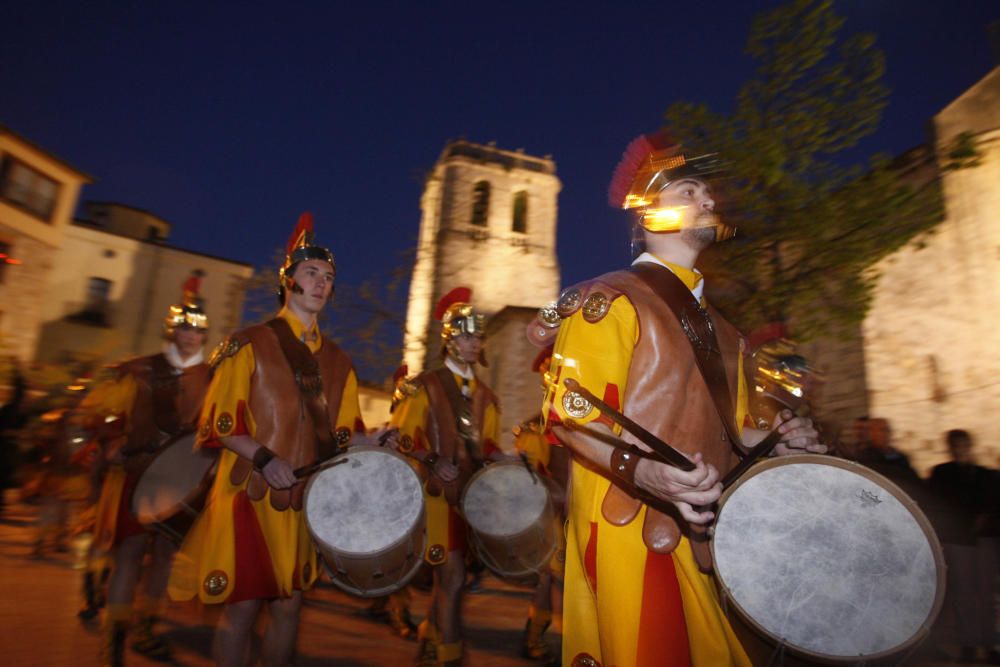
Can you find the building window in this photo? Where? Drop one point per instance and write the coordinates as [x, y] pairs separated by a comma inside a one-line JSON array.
[[480, 203], [520, 221], [97, 306], [28, 189]]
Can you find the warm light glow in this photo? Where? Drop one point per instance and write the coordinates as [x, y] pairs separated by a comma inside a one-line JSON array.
[[663, 219], [11, 260], [634, 201]]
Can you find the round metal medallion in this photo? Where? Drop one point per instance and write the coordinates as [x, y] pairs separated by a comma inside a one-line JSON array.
[[436, 554], [575, 405], [224, 424], [216, 582], [584, 660], [342, 435], [569, 301], [595, 307], [406, 444], [549, 316]]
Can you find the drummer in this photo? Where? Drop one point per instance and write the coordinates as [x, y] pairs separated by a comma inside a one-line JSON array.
[[152, 399], [636, 589], [283, 397], [449, 421], [553, 464]]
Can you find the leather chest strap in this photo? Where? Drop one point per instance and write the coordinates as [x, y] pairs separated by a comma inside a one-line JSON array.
[[165, 386], [305, 368], [462, 410], [700, 332]]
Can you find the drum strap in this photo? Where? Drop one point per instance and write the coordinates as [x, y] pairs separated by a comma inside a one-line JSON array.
[[305, 368], [165, 384], [700, 332]]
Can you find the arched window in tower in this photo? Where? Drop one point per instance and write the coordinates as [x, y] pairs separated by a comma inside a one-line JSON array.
[[480, 203], [520, 220]]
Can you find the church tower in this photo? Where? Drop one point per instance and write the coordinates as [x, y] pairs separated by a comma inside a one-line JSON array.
[[488, 222]]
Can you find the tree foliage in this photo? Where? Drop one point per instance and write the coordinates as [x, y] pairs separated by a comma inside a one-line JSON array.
[[809, 227]]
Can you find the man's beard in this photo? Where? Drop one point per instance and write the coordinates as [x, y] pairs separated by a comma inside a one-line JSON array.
[[698, 238]]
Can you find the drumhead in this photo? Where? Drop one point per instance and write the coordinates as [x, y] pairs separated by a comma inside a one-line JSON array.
[[828, 557], [365, 505], [171, 477], [504, 499]]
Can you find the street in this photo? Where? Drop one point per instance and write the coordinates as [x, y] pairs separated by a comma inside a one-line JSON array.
[[39, 626]]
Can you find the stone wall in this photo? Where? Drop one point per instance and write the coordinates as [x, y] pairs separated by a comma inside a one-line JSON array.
[[932, 339]]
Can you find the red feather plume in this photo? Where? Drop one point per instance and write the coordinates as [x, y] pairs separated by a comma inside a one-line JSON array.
[[400, 374], [457, 295], [636, 156], [304, 228]]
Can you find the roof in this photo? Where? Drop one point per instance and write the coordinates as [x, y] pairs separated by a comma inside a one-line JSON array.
[[6, 130]]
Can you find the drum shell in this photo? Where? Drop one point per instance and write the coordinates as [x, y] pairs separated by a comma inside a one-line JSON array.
[[185, 475], [758, 634], [378, 572], [516, 557]]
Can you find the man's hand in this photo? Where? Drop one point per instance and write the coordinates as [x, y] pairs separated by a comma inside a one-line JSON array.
[[445, 470], [798, 435], [686, 490], [279, 474]]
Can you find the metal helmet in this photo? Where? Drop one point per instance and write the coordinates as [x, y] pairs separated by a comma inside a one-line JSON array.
[[184, 315], [458, 317], [651, 163], [300, 248]]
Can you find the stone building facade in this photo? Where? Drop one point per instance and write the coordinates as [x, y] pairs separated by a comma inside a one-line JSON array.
[[38, 196], [932, 338], [116, 278], [488, 222]]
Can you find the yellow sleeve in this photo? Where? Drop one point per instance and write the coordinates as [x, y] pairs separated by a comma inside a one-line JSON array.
[[491, 429], [226, 411], [112, 397], [349, 414], [597, 355], [742, 399], [410, 418]]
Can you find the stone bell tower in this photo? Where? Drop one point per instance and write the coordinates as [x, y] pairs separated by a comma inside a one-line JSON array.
[[488, 222]]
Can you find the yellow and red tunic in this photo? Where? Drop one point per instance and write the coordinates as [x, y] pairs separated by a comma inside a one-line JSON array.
[[241, 548], [624, 604], [445, 527]]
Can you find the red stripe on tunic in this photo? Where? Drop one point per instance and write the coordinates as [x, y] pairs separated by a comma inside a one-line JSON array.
[[663, 638], [590, 558], [126, 523], [254, 569]]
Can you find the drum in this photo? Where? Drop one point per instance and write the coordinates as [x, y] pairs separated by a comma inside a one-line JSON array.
[[828, 559], [172, 488], [511, 520], [367, 519]]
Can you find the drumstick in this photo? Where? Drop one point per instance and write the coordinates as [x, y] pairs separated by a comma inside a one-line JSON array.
[[761, 449], [527, 466], [305, 471], [666, 452]]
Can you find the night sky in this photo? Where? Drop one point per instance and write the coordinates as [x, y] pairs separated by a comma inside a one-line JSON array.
[[228, 120]]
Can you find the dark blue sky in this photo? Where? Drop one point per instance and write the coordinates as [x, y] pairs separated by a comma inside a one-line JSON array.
[[229, 119]]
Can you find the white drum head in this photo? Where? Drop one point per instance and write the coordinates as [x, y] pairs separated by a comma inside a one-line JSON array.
[[365, 505], [504, 499], [828, 557], [169, 479]]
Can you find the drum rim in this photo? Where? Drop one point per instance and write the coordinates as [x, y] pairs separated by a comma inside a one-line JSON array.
[[202, 486], [921, 519], [420, 519]]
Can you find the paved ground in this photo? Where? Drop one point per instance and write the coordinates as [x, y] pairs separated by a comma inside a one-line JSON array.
[[39, 627]]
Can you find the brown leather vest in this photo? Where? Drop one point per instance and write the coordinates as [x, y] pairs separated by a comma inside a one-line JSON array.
[[443, 435], [283, 422], [666, 394], [167, 399]]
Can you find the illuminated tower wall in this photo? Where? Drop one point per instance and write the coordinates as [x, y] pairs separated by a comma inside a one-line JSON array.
[[488, 222]]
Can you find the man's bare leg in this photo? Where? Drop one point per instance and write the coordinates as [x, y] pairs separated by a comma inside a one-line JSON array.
[[232, 637], [279, 641]]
